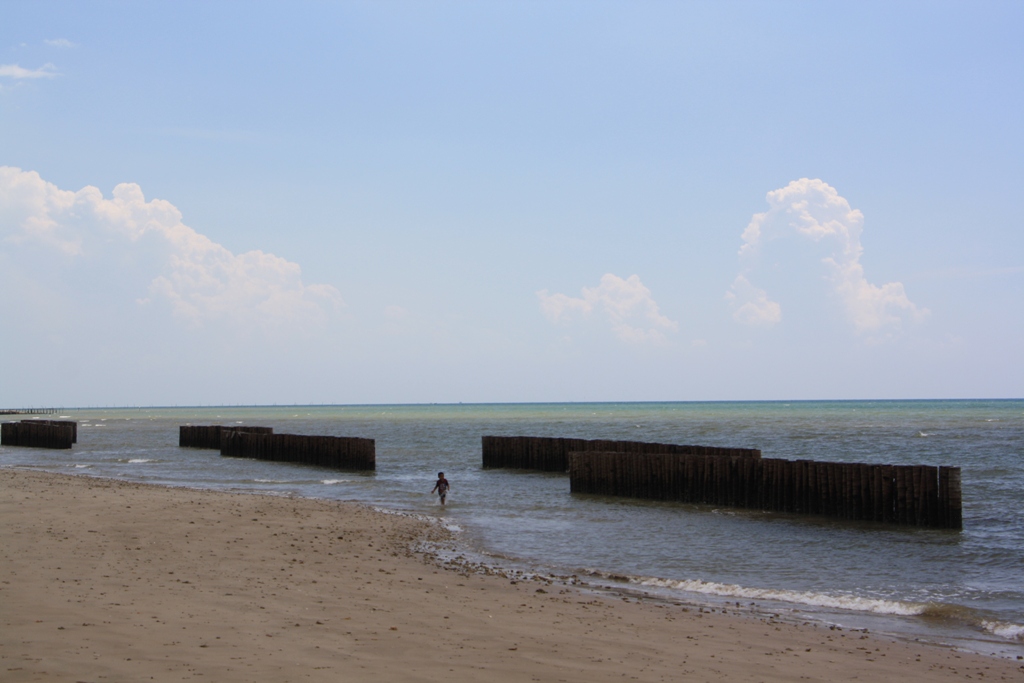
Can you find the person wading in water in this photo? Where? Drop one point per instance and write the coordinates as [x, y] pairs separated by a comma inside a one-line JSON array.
[[441, 487]]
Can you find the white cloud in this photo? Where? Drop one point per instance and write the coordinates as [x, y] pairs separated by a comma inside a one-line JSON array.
[[626, 304], [753, 307], [813, 210], [200, 279], [19, 72], [61, 43]]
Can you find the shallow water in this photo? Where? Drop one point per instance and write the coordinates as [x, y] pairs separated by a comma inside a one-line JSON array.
[[963, 588]]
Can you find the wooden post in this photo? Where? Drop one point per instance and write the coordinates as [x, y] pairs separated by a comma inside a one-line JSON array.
[[955, 500], [929, 496], [914, 497]]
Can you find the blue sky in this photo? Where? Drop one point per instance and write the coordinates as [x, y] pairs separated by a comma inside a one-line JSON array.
[[419, 202]]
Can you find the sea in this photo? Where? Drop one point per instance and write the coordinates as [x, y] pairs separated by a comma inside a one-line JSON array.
[[962, 589]]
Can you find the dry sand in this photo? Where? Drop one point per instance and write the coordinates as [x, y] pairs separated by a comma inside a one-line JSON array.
[[112, 581]]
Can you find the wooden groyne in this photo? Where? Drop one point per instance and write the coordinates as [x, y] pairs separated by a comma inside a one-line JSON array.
[[66, 423], [210, 436], [551, 454], [915, 495], [336, 452], [37, 434], [260, 443]]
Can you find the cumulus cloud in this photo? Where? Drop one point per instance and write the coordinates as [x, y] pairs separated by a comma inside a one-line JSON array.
[[753, 307], [626, 304], [200, 280], [61, 43], [813, 211], [18, 72]]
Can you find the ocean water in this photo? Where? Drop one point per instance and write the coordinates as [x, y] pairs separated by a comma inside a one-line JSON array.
[[964, 589]]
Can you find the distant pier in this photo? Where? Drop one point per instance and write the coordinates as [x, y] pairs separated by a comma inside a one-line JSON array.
[[30, 411]]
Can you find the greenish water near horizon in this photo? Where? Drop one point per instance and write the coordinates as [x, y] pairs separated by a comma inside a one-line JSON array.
[[961, 588]]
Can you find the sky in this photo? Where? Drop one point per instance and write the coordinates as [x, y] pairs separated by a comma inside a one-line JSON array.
[[206, 203]]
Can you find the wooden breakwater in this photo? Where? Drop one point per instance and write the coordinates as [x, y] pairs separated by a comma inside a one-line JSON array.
[[337, 452], [915, 495], [260, 443], [37, 434], [210, 436], [66, 423], [551, 454]]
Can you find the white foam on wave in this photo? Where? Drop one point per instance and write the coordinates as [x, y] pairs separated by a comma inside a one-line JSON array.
[[1004, 629], [81, 467], [450, 526], [847, 602], [923, 434], [336, 481], [138, 460], [63, 417], [271, 481]]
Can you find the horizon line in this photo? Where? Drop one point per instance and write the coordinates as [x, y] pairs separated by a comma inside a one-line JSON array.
[[17, 411]]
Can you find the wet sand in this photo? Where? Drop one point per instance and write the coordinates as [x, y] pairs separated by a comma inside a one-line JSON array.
[[105, 580]]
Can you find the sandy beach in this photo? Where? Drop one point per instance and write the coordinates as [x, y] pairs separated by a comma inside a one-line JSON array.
[[106, 580]]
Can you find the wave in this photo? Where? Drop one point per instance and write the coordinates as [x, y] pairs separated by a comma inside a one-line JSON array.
[[140, 460], [846, 602], [927, 610], [1004, 629], [329, 482], [450, 526], [923, 434]]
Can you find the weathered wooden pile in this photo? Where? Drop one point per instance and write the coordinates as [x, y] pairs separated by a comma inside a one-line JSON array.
[[916, 495], [338, 452], [260, 443], [211, 436], [39, 433], [551, 454], [60, 423]]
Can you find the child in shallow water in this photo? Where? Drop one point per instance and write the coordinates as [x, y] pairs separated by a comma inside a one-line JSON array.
[[441, 487]]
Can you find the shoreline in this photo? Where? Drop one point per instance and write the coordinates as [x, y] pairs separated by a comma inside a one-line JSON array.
[[616, 586], [944, 629], [106, 578]]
